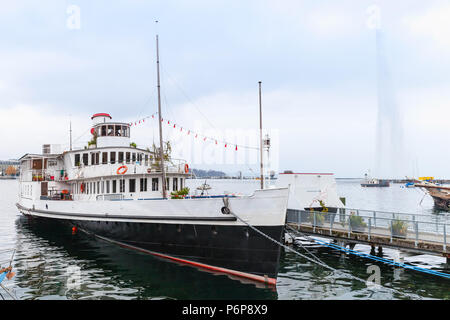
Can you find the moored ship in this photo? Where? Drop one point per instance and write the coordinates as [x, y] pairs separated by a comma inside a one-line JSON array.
[[440, 194], [114, 191], [119, 193]]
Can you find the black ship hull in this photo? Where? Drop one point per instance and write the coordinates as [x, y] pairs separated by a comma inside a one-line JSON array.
[[235, 250]]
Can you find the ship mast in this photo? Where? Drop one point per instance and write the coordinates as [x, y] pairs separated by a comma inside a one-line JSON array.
[[161, 149], [261, 138]]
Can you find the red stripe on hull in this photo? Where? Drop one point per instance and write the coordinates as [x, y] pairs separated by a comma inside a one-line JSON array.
[[266, 280]]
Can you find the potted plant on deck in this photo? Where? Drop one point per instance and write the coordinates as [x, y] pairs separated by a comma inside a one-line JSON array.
[[180, 194], [399, 228], [357, 223]]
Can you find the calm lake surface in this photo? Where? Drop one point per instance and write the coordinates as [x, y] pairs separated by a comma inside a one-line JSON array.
[[51, 263]]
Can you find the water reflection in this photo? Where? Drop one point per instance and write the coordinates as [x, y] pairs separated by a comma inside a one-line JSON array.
[[46, 251]]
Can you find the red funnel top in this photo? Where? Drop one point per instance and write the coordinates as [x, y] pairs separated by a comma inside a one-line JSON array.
[[101, 115]]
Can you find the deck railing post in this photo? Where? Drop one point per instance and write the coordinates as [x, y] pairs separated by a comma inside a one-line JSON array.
[[375, 219], [349, 227], [314, 221], [417, 233], [445, 238], [331, 225], [392, 229]]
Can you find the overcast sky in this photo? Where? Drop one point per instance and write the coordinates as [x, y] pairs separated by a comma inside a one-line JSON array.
[[63, 61]]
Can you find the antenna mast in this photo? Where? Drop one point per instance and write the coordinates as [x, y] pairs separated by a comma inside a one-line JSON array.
[[261, 138], [161, 146], [70, 134]]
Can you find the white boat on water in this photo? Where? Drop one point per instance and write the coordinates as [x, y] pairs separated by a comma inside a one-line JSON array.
[[115, 191]]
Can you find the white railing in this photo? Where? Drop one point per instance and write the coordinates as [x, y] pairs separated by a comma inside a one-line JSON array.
[[111, 169], [416, 227]]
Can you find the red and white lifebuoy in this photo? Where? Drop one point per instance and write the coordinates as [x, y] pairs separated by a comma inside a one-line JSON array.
[[186, 168], [122, 170]]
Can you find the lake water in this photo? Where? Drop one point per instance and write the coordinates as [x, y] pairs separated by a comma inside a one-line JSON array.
[[51, 263]]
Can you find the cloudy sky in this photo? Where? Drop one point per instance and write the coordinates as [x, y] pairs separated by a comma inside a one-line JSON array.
[[63, 61]]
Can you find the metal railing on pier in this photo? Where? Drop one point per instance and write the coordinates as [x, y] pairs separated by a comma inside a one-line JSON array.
[[365, 225]]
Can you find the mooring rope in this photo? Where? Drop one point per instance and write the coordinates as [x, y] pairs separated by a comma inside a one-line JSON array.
[[317, 260]]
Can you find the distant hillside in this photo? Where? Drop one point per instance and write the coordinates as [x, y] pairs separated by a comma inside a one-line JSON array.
[[208, 173]]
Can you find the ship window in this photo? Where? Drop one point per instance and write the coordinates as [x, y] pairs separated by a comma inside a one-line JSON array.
[[132, 186], [133, 157], [98, 186], [128, 157], [118, 131], [175, 184], [77, 159], [143, 184], [120, 157], [107, 186], [112, 157], [155, 184], [181, 183], [103, 131], [114, 186], [146, 159], [92, 158], [103, 187], [86, 159], [167, 184], [104, 157], [97, 158], [122, 185], [110, 130], [124, 131], [93, 187]]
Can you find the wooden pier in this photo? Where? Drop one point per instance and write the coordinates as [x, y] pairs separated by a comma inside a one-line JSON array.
[[409, 232]]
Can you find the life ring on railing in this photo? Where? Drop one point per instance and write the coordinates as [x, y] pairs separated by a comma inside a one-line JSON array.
[[149, 170], [186, 168], [120, 171]]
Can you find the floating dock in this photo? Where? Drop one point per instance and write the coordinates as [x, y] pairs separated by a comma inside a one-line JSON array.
[[423, 234]]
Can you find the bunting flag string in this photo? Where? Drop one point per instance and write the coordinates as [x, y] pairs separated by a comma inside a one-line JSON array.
[[226, 144]]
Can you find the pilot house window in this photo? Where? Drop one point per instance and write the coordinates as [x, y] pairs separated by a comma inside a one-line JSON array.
[[132, 185]]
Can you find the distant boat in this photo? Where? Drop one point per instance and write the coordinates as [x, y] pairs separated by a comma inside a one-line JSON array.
[[375, 183]]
